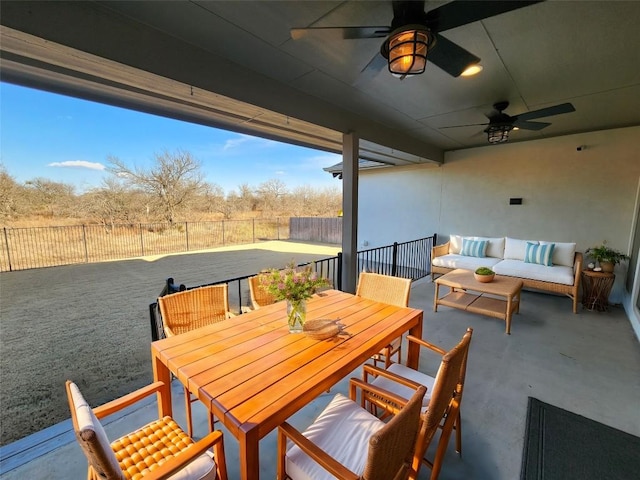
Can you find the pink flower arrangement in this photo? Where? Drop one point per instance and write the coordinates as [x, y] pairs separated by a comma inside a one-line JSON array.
[[293, 284]]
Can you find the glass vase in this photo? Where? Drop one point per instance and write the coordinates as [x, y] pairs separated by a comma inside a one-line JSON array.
[[296, 315]]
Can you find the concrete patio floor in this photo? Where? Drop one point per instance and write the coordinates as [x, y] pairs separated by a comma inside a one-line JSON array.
[[587, 363]]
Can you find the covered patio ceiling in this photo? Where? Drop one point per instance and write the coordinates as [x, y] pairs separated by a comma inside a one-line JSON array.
[[234, 65]]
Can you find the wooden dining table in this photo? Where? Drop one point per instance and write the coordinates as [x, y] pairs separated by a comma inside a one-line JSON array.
[[252, 374]]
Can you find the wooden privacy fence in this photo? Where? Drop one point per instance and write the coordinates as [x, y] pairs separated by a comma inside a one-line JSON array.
[[24, 248], [316, 229]]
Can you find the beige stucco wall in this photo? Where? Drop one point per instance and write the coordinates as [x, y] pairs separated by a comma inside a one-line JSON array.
[[583, 196], [567, 195]]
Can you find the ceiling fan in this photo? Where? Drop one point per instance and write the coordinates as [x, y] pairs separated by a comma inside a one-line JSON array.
[[500, 124], [414, 35]]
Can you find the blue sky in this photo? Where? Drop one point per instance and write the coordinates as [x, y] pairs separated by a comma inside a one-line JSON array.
[[70, 140]]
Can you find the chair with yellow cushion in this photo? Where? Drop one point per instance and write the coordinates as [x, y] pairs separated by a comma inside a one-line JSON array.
[[157, 450], [385, 289]]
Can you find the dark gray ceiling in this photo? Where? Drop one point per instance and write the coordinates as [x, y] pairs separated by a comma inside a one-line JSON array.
[[583, 52]]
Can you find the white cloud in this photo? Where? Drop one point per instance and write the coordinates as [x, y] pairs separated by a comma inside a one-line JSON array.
[[78, 164], [241, 139], [236, 141], [280, 172]]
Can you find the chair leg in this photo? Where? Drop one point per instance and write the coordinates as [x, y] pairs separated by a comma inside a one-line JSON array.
[[458, 428], [221, 462], [187, 406]]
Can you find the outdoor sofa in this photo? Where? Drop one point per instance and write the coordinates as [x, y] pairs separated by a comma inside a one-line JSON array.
[[548, 266]]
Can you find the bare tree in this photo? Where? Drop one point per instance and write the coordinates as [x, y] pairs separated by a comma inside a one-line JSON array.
[[114, 203], [271, 194], [174, 180], [50, 198], [10, 193]]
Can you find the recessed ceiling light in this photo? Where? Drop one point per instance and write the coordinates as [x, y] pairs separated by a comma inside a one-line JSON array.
[[472, 70]]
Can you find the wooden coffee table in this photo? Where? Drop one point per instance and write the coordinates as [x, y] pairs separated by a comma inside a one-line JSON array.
[[483, 300]]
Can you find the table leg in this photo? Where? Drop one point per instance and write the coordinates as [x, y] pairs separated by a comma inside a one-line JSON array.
[[435, 298], [413, 354], [249, 455], [161, 373], [508, 317]]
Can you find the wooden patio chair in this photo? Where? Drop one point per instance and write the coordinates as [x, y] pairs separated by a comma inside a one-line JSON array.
[[157, 450], [347, 442], [386, 289], [442, 402], [187, 310], [259, 296]]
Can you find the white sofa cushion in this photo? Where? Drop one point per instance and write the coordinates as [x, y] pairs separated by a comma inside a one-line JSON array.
[[517, 268], [563, 253], [515, 248], [342, 430], [495, 246], [460, 261], [455, 243]]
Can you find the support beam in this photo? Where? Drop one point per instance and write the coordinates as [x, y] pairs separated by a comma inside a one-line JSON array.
[[350, 147]]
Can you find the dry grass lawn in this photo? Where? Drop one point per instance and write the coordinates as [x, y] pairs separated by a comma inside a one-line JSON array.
[[90, 323]]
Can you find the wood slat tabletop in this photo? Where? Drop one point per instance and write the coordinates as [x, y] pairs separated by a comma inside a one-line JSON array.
[[253, 374]]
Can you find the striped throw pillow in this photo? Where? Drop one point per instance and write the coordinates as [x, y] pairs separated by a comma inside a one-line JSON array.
[[542, 254], [474, 248]]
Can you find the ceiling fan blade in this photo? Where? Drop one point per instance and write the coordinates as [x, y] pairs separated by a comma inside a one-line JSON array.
[[524, 125], [373, 68], [468, 125], [451, 57], [547, 112], [347, 33], [457, 13]]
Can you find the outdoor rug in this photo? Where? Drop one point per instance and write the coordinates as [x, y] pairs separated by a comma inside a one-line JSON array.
[[562, 445]]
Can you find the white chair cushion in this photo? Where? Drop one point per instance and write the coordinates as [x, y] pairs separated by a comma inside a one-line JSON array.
[[402, 390], [516, 268], [563, 253], [343, 431], [202, 468], [467, 263], [91, 435]]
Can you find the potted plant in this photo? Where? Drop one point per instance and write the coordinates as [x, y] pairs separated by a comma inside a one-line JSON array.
[[607, 257], [484, 274]]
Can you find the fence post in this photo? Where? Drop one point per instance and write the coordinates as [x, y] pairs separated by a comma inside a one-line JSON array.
[[253, 235], [186, 232], [435, 239], [223, 233], [278, 228], [394, 263], [84, 239], [141, 240], [340, 271], [6, 243]]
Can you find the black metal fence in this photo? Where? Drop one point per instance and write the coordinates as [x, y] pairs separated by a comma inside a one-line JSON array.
[[408, 259], [24, 248]]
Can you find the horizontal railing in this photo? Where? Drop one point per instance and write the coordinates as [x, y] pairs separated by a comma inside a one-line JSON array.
[[408, 259]]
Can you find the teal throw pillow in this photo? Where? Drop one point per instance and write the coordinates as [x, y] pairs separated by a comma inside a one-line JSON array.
[[540, 254], [474, 248]]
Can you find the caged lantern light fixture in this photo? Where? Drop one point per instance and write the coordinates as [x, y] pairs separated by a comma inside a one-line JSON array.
[[498, 133], [406, 50]]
